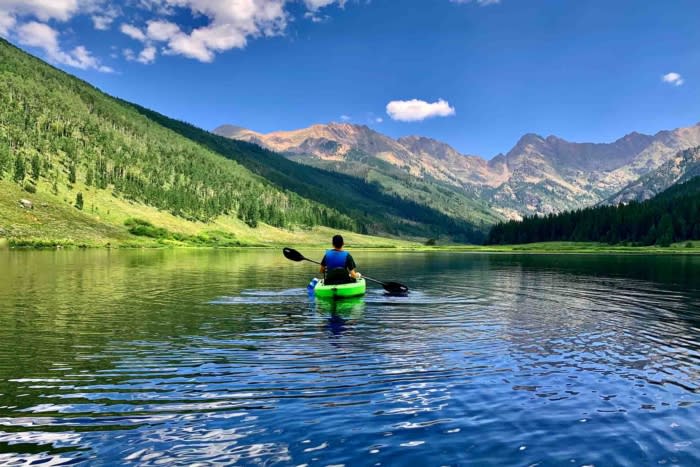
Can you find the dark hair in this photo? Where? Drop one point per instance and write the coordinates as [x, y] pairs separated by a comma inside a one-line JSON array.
[[338, 241]]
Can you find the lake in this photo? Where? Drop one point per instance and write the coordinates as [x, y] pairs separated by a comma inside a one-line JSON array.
[[167, 357]]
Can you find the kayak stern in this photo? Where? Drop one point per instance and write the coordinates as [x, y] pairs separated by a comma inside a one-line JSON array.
[[339, 291]]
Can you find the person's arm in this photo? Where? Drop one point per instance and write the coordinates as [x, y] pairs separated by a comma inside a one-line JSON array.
[[351, 267], [323, 265]]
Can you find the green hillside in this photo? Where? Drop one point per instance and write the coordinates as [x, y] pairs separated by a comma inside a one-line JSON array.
[[671, 216], [375, 211], [448, 199], [90, 164]]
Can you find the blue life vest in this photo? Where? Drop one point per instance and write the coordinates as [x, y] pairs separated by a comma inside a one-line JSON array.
[[335, 259]]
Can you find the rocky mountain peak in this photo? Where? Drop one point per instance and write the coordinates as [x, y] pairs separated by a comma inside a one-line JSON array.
[[538, 175]]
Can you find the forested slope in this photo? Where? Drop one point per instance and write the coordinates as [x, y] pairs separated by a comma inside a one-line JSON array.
[[366, 203], [65, 138], [56, 128], [671, 216]]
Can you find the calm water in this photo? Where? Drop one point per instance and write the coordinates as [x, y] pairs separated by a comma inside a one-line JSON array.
[[182, 357]]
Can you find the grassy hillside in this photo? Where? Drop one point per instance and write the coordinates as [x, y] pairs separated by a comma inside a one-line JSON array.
[[89, 163], [448, 199], [376, 211], [54, 221], [71, 148]]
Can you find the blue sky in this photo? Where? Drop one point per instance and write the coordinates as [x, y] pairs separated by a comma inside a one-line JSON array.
[[475, 74]]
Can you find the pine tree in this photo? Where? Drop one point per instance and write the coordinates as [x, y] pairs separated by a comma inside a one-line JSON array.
[[20, 169], [71, 174], [36, 167], [665, 231], [5, 158], [79, 202], [89, 177]]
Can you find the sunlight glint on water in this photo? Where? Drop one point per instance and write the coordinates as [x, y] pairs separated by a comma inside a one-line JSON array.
[[177, 357]]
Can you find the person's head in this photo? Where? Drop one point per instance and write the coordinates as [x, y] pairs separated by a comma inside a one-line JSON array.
[[338, 242]]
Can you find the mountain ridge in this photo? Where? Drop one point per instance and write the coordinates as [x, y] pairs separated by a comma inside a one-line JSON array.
[[97, 167], [539, 175]]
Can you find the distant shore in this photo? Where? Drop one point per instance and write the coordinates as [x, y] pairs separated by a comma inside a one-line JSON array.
[[681, 248]]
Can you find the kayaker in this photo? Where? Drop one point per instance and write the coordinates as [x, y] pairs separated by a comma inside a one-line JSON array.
[[337, 265]]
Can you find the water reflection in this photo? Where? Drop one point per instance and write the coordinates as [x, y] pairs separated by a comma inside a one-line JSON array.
[[180, 357]]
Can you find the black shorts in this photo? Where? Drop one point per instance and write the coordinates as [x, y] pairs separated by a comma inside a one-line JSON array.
[[338, 276]]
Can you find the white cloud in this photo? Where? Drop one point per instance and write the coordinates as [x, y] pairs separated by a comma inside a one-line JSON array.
[[222, 24], [42, 36], [345, 118], [162, 30], [7, 22], [103, 19], [379, 120], [480, 2], [415, 110], [61, 10], [102, 23], [314, 5], [674, 79], [133, 32], [38, 35], [147, 55], [229, 24]]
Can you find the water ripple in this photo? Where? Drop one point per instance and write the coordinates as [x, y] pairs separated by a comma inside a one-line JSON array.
[[210, 358]]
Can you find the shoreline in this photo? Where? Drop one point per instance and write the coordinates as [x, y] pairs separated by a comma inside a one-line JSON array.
[[681, 248]]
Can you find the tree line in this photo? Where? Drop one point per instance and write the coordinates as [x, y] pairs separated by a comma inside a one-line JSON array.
[[671, 216]]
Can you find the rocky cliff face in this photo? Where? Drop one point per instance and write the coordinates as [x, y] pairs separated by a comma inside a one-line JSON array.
[[540, 175], [683, 166]]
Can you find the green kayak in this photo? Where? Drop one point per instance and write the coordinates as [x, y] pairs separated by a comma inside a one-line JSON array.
[[354, 289]]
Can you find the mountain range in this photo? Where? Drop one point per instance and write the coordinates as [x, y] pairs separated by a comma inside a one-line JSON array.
[[99, 170], [538, 176], [80, 167]]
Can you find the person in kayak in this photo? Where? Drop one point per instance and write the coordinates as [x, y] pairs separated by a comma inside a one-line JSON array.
[[338, 266]]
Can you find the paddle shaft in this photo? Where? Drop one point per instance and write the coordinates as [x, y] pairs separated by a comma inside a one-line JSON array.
[[366, 277], [391, 287]]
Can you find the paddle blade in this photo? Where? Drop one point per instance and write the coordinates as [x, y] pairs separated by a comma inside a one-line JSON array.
[[394, 288], [292, 254]]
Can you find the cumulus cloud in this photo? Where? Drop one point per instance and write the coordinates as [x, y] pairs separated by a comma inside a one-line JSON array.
[[42, 36], [18, 19], [7, 22], [673, 78], [103, 20], [315, 5], [162, 30], [221, 24], [480, 2], [133, 32], [60, 10], [416, 110], [228, 24], [147, 55]]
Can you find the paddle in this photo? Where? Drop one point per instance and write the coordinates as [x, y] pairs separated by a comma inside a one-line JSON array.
[[393, 288]]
